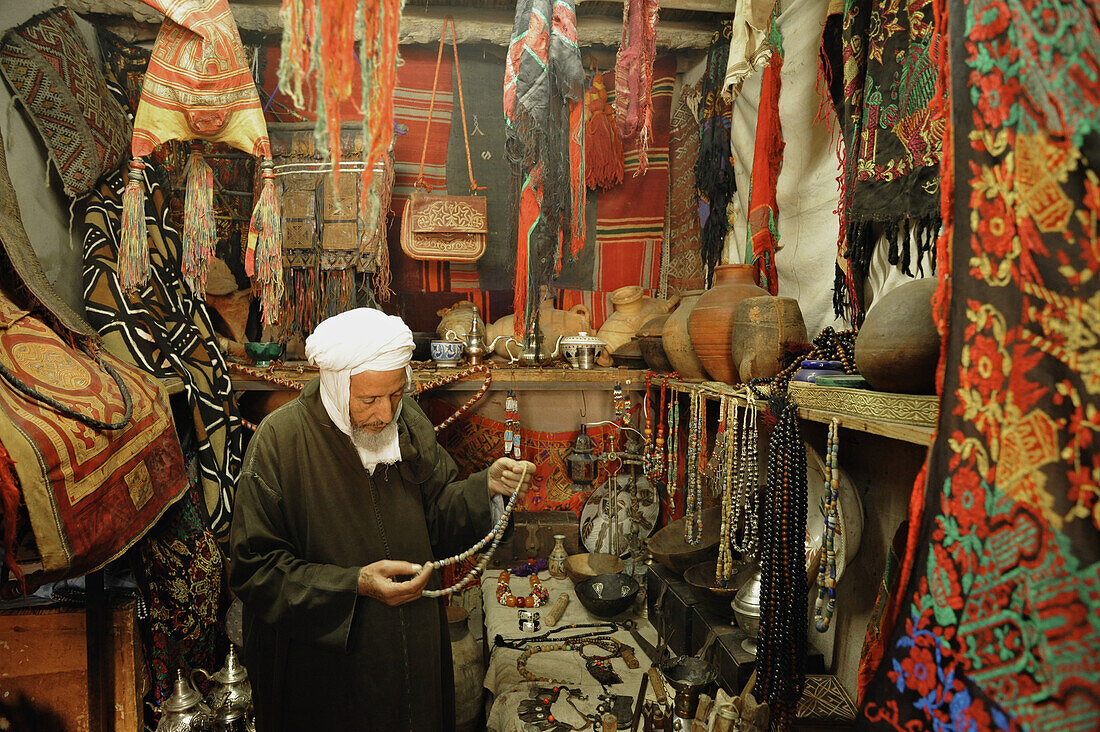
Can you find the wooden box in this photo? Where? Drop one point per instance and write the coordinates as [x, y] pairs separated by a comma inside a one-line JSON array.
[[670, 603], [44, 660], [533, 537]]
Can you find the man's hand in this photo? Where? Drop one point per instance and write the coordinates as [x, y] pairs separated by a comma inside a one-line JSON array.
[[376, 580], [505, 474]]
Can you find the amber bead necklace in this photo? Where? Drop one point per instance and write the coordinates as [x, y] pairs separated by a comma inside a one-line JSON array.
[[538, 597]]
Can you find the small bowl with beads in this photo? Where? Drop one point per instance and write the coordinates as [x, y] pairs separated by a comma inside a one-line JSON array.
[[607, 595]]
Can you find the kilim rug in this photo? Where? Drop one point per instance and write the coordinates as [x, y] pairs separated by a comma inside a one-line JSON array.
[[684, 268], [49, 67], [892, 147], [166, 331], [179, 569], [999, 621]]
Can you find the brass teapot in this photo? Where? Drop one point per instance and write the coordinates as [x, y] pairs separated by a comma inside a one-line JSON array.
[[232, 687], [184, 710]]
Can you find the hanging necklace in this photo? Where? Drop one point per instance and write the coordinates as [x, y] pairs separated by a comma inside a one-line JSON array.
[[647, 430], [825, 605], [672, 480], [511, 426], [745, 512], [538, 597], [622, 414], [659, 448], [692, 509], [725, 443], [495, 535]]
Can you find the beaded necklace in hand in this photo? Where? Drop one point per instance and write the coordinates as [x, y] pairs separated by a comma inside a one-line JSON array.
[[538, 597], [495, 534], [825, 605]]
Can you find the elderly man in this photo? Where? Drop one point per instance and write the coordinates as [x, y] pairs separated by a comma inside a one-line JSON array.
[[344, 494]]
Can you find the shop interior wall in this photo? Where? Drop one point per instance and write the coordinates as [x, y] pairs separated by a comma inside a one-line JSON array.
[[42, 202]]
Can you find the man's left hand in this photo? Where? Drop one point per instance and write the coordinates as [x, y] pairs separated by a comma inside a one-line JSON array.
[[506, 476]]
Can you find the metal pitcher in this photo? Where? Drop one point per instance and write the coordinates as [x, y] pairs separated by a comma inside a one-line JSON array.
[[232, 688], [184, 710]]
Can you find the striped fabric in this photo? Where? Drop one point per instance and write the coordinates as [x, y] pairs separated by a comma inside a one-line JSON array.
[[630, 218]]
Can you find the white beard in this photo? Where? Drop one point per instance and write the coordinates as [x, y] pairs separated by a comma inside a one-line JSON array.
[[376, 448]]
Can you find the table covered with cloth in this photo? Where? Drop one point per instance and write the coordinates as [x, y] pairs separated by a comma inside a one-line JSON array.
[[508, 687]]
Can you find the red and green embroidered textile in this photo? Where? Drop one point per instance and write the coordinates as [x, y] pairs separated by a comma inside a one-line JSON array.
[[763, 228], [892, 141], [999, 621]]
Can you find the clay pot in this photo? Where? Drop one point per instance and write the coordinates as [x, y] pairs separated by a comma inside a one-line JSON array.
[[677, 341], [763, 327], [632, 309], [898, 347], [652, 346], [711, 320]]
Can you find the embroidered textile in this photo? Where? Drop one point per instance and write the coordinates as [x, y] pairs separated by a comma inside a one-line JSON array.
[[179, 568], [166, 331], [767, 160], [684, 267], [892, 141], [90, 492], [999, 622], [49, 67]]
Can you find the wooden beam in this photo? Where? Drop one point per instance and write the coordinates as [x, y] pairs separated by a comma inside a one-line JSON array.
[[420, 25]]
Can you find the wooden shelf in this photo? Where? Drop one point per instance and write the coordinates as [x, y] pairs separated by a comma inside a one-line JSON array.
[[917, 432], [546, 378]]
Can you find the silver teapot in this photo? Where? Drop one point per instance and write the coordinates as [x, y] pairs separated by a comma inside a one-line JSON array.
[[184, 710], [232, 689]]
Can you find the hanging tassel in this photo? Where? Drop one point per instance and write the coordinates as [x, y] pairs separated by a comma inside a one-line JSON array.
[[603, 149], [264, 258], [339, 291], [576, 176], [198, 223], [133, 251], [9, 503]]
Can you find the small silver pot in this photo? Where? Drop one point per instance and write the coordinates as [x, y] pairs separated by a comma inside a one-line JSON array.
[[581, 350]]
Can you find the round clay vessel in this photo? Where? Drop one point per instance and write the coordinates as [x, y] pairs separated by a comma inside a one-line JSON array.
[[763, 327], [677, 340], [711, 320], [632, 309], [898, 347]]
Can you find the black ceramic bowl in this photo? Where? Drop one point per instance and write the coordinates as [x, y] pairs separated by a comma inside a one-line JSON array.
[[422, 345], [607, 595]]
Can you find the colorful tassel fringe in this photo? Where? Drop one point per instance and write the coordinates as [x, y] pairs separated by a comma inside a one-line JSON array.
[[198, 223], [264, 257], [603, 149], [133, 253]]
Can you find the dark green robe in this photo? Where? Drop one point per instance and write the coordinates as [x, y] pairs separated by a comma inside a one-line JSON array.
[[307, 517]]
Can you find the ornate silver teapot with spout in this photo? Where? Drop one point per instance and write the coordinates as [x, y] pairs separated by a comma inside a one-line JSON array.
[[232, 686], [185, 710]]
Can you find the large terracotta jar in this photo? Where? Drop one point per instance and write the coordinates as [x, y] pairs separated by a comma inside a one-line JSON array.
[[764, 328], [898, 346], [677, 340], [711, 320]]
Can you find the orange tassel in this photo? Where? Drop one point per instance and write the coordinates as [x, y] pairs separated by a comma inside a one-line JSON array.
[[603, 148], [133, 251], [264, 256], [198, 223]]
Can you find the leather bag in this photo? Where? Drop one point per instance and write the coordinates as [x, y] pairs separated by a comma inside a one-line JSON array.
[[441, 227]]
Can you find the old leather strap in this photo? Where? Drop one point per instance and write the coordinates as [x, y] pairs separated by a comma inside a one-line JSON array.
[[441, 227]]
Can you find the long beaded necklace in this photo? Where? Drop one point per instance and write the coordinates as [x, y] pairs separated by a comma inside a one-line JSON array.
[[725, 449], [495, 535], [608, 644], [647, 430], [825, 605], [512, 447], [745, 512], [659, 455], [693, 511], [673, 475], [829, 345], [539, 594], [781, 652]]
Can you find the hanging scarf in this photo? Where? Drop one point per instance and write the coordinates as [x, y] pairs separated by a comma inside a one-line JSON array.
[[543, 80], [714, 172], [892, 142], [763, 228], [634, 75]]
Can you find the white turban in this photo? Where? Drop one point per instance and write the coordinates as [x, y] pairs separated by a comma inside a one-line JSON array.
[[354, 341]]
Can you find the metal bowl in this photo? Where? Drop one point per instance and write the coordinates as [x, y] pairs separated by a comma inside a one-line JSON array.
[[607, 595], [579, 567]]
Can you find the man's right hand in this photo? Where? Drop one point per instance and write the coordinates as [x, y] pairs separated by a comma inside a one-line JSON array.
[[376, 580]]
